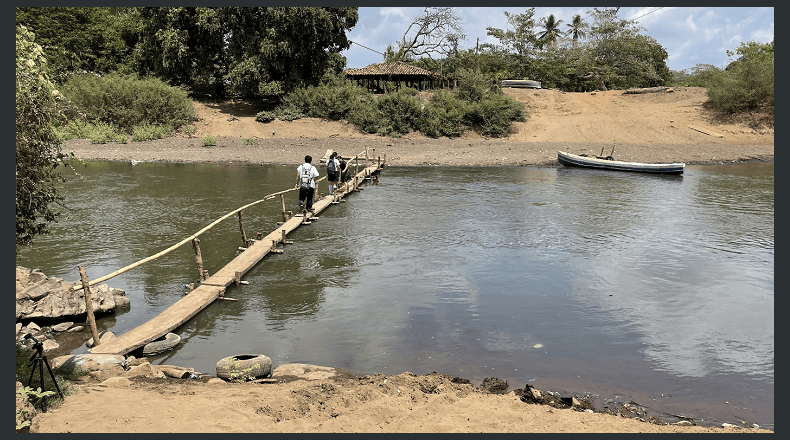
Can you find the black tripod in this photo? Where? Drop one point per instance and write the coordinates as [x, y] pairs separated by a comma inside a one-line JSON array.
[[39, 359]]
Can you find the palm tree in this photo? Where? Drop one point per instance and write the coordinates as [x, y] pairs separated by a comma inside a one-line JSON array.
[[578, 29], [551, 31]]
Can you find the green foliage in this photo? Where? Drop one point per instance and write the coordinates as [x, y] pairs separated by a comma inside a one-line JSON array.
[[250, 141], [399, 112], [93, 39], [333, 99], [289, 114], [700, 75], [147, 132], [209, 141], [495, 115], [34, 396], [265, 116], [748, 82], [444, 115], [127, 101], [39, 109]]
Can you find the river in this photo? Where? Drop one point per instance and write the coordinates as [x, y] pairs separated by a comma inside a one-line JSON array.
[[622, 286]]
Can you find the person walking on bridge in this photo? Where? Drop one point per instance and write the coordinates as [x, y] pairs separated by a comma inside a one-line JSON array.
[[305, 181], [332, 172]]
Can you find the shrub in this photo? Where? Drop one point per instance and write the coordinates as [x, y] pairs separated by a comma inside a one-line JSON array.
[[494, 116], [250, 141], [399, 111], [366, 116], [265, 117], [209, 141], [444, 116], [289, 114], [748, 82], [126, 100], [334, 99], [146, 132]]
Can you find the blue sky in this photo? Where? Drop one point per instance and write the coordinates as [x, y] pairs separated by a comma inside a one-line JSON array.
[[691, 35]]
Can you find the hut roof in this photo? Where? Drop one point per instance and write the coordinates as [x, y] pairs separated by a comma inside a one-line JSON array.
[[383, 69]]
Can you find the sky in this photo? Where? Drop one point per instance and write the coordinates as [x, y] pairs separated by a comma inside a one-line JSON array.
[[690, 35]]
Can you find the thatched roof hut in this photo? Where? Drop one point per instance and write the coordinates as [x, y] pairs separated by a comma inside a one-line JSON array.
[[376, 75]]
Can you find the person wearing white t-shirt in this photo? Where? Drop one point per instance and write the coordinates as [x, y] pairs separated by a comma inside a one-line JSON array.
[[305, 181]]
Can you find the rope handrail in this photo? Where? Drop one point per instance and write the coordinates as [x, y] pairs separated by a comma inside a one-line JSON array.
[[191, 237]]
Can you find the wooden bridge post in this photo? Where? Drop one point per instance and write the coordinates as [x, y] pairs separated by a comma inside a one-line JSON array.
[[89, 306], [241, 228], [282, 200], [198, 258], [366, 156]]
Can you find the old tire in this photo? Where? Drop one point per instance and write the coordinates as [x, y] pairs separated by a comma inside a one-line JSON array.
[[170, 341], [244, 367]]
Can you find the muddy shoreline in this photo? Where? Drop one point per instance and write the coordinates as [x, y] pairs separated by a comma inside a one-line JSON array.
[[407, 152]]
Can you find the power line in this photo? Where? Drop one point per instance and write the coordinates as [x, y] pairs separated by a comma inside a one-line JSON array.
[[354, 42], [654, 10]]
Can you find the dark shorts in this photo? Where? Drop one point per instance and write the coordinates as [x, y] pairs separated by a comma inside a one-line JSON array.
[[332, 177]]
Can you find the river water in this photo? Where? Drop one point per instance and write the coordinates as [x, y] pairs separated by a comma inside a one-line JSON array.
[[627, 287]]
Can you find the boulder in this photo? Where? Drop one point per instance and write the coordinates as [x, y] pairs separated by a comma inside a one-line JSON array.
[[86, 362], [63, 326], [40, 297]]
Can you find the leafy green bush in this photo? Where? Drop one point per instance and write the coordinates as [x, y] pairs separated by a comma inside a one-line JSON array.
[[265, 117], [366, 116], [126, 101], [288, 114], [250, 141], [748, 82], [98, 133], [399, 112], [209, 141], [444, 115], [494, 116], [333, 99], [146, 132]]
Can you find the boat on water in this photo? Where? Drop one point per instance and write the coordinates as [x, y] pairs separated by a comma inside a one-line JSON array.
[[569, 159], [521, 83]]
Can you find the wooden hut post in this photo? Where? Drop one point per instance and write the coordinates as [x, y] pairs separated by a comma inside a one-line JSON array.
[[241, 228], [198, 258], [89, 306]]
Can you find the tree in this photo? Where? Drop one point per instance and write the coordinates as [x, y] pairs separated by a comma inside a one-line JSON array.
[[93, 39], [275, 50], [183, 45], [577, 29], [551, 30], [437, 31], [38, 154], [520, 38]]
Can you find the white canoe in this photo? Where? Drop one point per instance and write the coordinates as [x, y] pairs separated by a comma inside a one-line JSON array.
[[569, 159]]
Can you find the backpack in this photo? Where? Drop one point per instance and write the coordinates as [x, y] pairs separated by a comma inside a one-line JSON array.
[[306, 177], [330, 166]]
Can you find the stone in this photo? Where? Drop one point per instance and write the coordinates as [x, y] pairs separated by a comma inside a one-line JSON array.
[[18, 327], [39, 297], [90, 362], [32, 328], [117, 382], [62, 327], [76, 328], [49, 345]]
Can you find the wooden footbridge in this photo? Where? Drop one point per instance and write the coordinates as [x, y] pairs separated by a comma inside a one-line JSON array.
[[213, 287]]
